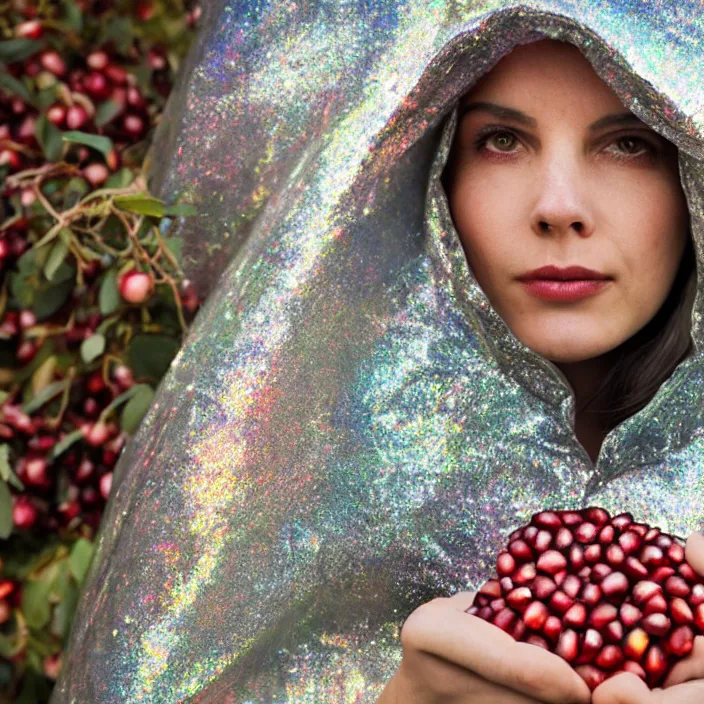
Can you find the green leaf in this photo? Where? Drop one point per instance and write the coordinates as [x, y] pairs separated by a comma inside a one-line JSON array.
[[46, 394], [181, 209], [65, 443], [174, 245], [49, 137], [56, 256], [136, 408], [151, 355], [109, 295], [12, 50], [103, 144], [35, 602], [81, 557], [141, 204], [92, 347], [73, 16], [5, 511], [49, 300], [106, 112], [11, 85], [64, 612], [119, 400], [120, 179]]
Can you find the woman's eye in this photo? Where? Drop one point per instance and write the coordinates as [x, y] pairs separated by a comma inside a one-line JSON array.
[[503, 141], [632, 146]]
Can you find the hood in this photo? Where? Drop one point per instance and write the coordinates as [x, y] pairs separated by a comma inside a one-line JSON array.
[[350, 429]]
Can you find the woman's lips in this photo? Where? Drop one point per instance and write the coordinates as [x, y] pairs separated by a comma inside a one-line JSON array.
[[573, 290]]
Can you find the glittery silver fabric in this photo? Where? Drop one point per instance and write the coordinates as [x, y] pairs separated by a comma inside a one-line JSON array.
[[351, 429]]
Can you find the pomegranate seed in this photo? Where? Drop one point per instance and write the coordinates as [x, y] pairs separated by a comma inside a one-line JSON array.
[[634, 667], [543, 587], [687, 572], [629, 542], [505, 620], [552, 628], [676, 553], [615, 584], [548, 519], [600, 571], [655, 662], [603, 614], [520, 598], [644, 590], [636, 643], [677, 586], [506, 585], [564, 538], [613, 632], [680, 642], [655, 605], [586, 533], [593, 676], [652, 555], [560, 602], [656, 624], [661, 574], [576, 616], [615, 556], [697, 595], [571, 585], [505, 564], [592, 553], [551, 561], [607, 535], [535, 615], [591, 594], [610, 657], [567, 645], [491, 588]]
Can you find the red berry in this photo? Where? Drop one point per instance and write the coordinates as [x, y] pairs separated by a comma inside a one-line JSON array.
[[97, 85], [136, 286], [51, 60], [106, 485], [133, 125], [76, 117], [29, 30], [24, 515], [96, 174], [97, 60]]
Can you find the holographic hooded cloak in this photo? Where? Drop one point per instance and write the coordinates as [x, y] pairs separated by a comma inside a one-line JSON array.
[[350, 429]]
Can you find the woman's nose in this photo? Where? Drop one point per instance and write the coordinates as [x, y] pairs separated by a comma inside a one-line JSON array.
[[561, 205]]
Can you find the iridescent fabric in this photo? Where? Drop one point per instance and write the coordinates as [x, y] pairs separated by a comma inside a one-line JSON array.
[[351, 430]]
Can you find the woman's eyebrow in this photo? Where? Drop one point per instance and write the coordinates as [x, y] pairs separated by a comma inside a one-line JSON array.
[[506, 113]]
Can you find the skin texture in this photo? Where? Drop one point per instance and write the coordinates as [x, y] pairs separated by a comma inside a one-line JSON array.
[[559, 193]]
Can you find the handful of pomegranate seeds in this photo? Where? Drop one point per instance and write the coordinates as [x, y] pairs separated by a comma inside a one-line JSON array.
[[607, 595]]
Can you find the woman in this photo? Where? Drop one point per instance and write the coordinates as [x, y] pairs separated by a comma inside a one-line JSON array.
[[352, 429], [530, 181]]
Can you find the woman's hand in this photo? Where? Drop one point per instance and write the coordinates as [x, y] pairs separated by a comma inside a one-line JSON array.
[[685, 684], [450, 657]]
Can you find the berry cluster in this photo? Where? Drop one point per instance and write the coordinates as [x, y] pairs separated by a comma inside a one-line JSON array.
[[93, 302]]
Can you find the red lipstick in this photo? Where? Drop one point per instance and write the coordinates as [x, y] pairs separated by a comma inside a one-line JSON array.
[[572, 283]]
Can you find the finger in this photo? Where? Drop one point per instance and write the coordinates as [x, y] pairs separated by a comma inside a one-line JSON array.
[[625, 688], [483, 648], [694, 552], [462, 600], [691, 668]]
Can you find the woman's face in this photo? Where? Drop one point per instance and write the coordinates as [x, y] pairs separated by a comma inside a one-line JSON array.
[[549, 168]]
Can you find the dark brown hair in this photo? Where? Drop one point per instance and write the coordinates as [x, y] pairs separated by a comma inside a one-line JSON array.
[[646, 360]]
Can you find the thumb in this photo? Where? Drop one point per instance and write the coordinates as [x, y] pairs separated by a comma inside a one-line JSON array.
[[625, 688], [694, 552]]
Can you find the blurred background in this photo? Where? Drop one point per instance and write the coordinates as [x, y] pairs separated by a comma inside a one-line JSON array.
[[94, 303]]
